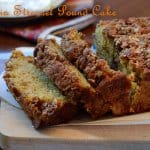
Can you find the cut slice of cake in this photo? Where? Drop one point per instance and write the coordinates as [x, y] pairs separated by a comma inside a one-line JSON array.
[[112, 87], [50, 59], [37, 95]]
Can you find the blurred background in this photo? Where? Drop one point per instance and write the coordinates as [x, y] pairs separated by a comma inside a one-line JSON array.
[[132, 8], [24, 31]]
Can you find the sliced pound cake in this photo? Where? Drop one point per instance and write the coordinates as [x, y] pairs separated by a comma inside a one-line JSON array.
[[112, 87], [38, 96], [50, 59]]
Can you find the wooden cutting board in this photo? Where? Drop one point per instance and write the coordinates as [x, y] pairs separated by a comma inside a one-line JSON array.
[[17, 133]]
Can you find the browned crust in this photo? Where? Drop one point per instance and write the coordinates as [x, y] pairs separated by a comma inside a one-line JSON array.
[[135, 49], [130, 26], [41, 113], [135, 52], [78, 53], [132, 40], [112, 87], [51, 60], [141, 101], [116, 92]]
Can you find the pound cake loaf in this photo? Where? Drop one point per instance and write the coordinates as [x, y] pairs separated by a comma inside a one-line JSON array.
[[112, 87], [107, 31], [38, 96], [50, 59], [134, 60], [125, 44]]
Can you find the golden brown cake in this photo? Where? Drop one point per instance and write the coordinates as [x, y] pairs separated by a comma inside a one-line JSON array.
[[125, 44], [38, 96], [50, 59], [112, 87], [107, 31], [134, 59]]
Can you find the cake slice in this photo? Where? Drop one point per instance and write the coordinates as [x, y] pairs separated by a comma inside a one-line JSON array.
[[107, 31], [112, 87], [50, 59], [37, 95]]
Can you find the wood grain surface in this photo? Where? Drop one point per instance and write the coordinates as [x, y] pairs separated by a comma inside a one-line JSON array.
[[18, 133]]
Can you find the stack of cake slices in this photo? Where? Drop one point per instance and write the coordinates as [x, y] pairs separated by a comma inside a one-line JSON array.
[[61, 80]]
